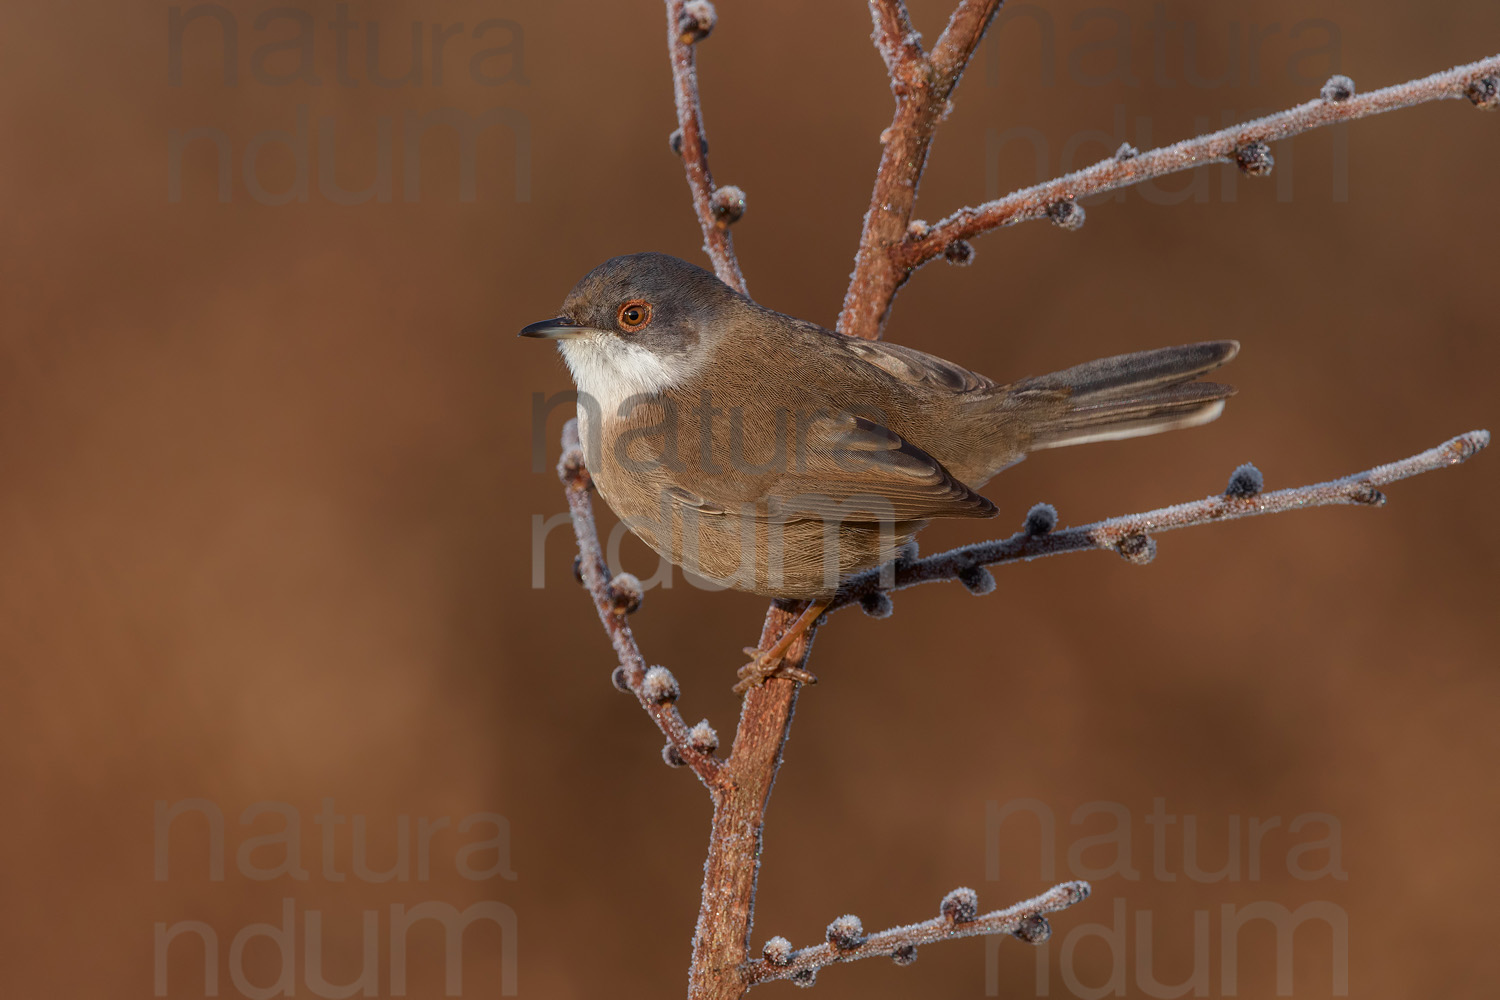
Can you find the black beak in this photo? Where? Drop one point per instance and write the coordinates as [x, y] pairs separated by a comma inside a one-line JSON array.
[[561, 328]]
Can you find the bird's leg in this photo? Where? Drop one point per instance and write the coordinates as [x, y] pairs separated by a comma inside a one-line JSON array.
[[766, 664]]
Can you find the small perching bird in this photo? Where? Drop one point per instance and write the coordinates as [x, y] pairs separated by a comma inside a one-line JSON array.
[[767, 454]]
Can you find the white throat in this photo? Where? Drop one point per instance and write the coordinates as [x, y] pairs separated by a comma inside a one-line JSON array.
[[612, 373]]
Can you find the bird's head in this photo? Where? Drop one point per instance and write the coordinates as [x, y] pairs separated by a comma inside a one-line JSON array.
[[640, 323]]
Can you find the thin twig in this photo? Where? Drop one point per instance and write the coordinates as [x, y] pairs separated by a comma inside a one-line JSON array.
[[895, 38], [693, 148], [1026, 919], [596, 578], [956, 45], [922, 87], [1216, 147], [1130, 535]]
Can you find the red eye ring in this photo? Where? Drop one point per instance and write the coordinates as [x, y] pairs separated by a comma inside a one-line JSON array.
[[634, 315]]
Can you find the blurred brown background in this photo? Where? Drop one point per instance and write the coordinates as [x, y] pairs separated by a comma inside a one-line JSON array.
[[268, 498]]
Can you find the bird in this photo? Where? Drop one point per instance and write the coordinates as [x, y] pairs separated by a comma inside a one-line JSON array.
[[768, 454]]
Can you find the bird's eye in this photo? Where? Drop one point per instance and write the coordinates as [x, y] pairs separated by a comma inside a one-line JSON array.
[[634, 315]]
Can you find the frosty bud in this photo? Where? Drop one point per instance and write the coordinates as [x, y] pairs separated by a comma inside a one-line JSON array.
[[660, 686], [778, 951], [904, 955], [675, 141], [1484, 93], [1138, 549], [805, 977], [697, 21], [1066, 214], [671, 756], [571, 468], [1034, 929], [578, 568], [877, 604], [1245, 482], [959, 252], [620, 678], [728, 205], [626, 594], [703, 738], [1040, 520], [1126, 152], [977, 579], [908, 552], [1254, 159], [1338, 89], [846, 932], [917, 229], [961, 905], [1077, 891]]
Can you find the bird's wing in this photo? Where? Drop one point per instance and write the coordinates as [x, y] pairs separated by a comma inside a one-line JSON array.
[[845, 468], [916, 368]]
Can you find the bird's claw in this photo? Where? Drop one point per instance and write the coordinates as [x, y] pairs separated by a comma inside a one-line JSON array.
[[763, 666]]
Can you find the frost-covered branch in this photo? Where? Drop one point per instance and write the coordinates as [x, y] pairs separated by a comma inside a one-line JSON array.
[[890, 248], [922, 86], [726, 911], [958, 917], [1244, 144], [1130, 536], [688, 23], [895, 39], [615, 599], [956, 45]]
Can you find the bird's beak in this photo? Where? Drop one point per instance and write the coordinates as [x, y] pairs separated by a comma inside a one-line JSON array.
[[560, 328]]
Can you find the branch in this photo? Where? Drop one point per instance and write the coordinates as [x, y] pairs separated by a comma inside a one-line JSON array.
[[956, 45], [688, 23], [922, 87], [847, 943], [721, 940], [1130, 535], [655, 689], [895, 39], [1058, 198]]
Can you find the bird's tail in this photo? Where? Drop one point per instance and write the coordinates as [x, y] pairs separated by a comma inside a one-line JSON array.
[[1127, 396], [1121, 397]]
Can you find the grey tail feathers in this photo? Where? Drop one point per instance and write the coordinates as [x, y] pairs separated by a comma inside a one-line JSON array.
[[1134, 394]]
